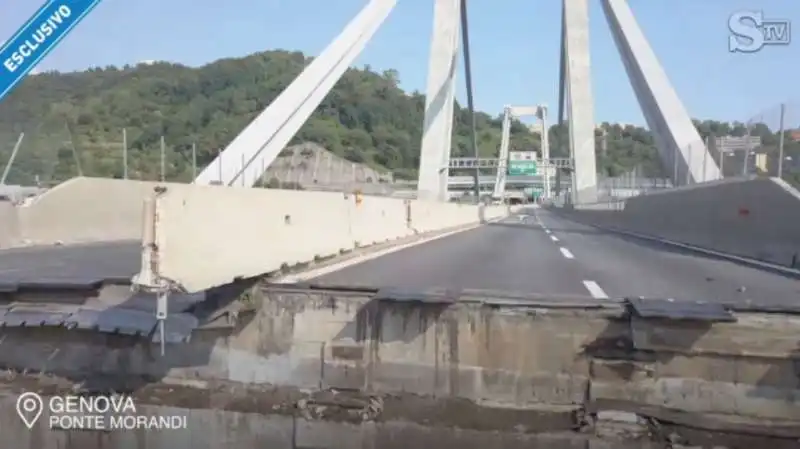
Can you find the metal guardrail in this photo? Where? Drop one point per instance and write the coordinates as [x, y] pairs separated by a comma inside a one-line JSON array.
[[472, 162]]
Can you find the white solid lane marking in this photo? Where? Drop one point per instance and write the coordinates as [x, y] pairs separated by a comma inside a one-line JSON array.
[[595, 290], [566, 253], [553, 238], [361, 258]]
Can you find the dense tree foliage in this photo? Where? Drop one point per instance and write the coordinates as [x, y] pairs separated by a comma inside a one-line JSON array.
[[73, 122]]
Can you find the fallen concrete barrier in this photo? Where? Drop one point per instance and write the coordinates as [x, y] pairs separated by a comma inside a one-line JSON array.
[[206, 236], [508, 371], [752, 218]]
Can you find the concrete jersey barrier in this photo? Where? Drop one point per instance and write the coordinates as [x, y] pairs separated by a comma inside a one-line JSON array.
[[753, 218], [83, 210], [87, 210], [208, 236]]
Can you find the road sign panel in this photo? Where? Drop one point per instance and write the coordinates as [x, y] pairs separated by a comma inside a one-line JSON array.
[[522, 168], [522, 163]]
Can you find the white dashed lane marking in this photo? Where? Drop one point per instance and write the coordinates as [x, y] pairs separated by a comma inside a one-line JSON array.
[[565, 252], [595, 290], [553, 238]]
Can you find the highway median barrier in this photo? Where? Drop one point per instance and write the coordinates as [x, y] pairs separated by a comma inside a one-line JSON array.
[[81, 210], [90, 210], [750, 218], [207, 236], [210, 235]]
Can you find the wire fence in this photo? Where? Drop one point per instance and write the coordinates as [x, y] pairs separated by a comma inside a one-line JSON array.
[[765, 144], [777, 152], [45, 156], [43, 159]]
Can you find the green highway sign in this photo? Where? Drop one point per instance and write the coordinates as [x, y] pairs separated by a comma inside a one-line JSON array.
[[522, 168], [522, 163]]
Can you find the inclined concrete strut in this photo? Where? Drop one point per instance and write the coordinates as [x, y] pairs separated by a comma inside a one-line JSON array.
[[675, 134], [251, 152], [678, 142]]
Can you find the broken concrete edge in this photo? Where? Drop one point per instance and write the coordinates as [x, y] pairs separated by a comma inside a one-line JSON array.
[[315, 424], [526, 364], [746, 261], [335, 398], [342, 405]]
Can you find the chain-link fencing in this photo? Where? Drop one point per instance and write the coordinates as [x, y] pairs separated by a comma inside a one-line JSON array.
[[44, 156], [775, 150], [47, 154]]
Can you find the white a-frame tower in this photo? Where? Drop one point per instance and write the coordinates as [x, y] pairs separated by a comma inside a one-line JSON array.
[[679, 144]]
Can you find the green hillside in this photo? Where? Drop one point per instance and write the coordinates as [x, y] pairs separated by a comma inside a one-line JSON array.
[[74, 121]]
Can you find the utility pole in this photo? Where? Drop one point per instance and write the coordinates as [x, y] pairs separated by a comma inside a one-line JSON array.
[[689, 166], [124, 153], [219, 158], [163, 159], [194, 161], [675, 168], [75, 155], [705, 158], [603, 141], [780, 141], [10, 162], [747, 150]]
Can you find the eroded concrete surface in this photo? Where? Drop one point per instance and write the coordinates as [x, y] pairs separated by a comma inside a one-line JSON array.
[[293, 368]]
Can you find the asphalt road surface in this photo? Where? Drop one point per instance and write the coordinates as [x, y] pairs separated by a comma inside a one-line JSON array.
[[108, 260], [535, 252], [539, 252]]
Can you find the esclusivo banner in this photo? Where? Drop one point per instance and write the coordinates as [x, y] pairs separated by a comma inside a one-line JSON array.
[[37, 37]]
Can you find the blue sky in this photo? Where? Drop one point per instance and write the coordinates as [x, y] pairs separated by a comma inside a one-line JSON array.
[[514, 46]]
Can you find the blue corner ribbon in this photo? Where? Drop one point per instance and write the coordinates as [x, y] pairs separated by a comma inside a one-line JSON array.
[[38, 37]]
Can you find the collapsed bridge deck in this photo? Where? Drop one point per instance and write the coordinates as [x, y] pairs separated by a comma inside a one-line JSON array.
[[412, 366]]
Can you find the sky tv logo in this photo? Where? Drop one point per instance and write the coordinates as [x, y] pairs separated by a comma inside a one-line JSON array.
[[750, 32]]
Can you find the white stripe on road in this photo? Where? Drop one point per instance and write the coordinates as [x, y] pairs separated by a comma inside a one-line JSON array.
[[546, 231], [361, 258], [565, 252], [553, 238], [595, 290]]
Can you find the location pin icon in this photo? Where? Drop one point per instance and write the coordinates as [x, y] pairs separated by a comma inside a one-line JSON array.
[[29, 408]]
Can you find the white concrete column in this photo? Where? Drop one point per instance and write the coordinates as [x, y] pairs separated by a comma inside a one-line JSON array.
[[675, 135], [439, 101], [502, 157], [261, 141], [579, 99]]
